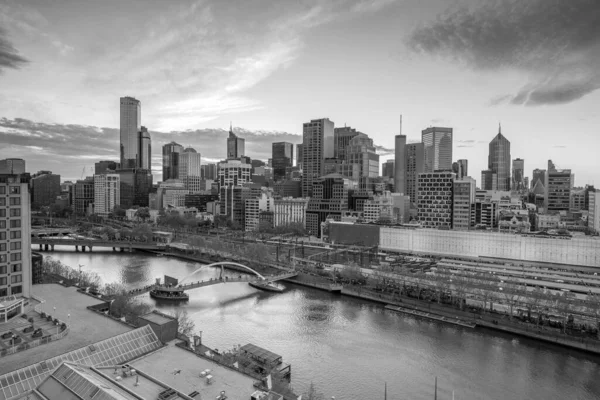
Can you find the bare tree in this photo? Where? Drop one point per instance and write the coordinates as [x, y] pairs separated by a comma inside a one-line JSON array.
[[186, 325], [312, 393]]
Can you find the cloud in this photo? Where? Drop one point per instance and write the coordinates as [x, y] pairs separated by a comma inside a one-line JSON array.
[[9, 56], [68, 148], [556, 44], [384, 151], [559, 146]]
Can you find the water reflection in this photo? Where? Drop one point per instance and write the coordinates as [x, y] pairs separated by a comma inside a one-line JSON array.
[[349, 348]]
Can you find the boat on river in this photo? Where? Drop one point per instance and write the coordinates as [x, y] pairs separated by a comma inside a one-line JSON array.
[[268, 286], [168, 293]]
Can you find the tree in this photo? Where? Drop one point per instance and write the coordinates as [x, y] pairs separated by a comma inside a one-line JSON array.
[[118, 212], [186, 325], [143, 231], [142, 213], [312, 393]]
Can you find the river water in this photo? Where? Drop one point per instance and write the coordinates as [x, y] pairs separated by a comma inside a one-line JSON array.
[[349, 347]]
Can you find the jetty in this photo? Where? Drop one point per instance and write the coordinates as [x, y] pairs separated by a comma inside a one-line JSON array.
[[430, 316]]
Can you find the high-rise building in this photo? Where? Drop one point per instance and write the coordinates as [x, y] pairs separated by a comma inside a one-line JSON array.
[[232, 202], [415, 165], [299, 155], [234, 173], [341, 138], [437, 144], [387, 207], [283, 158], [208, 171], [387, 169], [518, 174], [538, 175], [329, 199], [235, 146], [12, 166], [107, 193], [103, 167], [15, 243], [361, 151], [135, 187], [557, 196], [83, 195], [170, 160], [45, 188], [464, 197], [131, 117], [489, 180], [317, 145], [189, 169], [254, 207], [578, 200], [463, 168], [145, 149], [400, 153], [434, 199], [289, 210], [594, 211], [484, 214], [499, 161]]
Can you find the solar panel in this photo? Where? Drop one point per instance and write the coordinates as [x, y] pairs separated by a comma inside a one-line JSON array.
[[142, 341]]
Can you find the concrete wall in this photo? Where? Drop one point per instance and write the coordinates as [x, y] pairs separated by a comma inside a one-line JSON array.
[[362, 235]]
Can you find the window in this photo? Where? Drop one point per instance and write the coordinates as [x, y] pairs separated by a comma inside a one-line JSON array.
[[14, 234], [17, 268], [2, 213], [16, 279], [15, 257], [3, 235], [15, 212], [3, 281], [2, 246], [3, 292], [15, 245], [2, 189], [15, 223], [2, 202], [15, 201], [3, 268], [2, 224], [15, 190], [16, 290]]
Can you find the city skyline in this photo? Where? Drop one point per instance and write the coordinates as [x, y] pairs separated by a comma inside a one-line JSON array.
[[45, 67]]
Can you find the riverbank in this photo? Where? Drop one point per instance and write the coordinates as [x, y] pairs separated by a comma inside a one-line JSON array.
[[496, 322]]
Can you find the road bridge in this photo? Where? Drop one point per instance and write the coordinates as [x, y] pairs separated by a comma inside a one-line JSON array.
[[48, 243]]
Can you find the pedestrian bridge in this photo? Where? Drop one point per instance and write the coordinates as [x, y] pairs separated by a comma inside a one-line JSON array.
[[222, 278], [48, 244]]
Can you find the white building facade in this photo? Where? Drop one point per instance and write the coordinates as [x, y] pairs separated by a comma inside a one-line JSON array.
[[107, 193], [290, 211], [254, 207]]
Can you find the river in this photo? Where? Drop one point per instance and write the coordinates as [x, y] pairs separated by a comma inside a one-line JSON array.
[[349, 347]]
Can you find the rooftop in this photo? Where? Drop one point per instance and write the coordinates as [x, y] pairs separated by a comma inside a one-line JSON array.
[[157, 318], [264, 354], [181, 370]]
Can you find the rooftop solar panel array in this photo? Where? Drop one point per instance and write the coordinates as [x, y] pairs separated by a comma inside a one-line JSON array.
[[112, 351]]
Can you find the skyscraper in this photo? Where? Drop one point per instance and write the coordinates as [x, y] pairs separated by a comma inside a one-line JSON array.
[[171, 152], [283, 157], [463, 168], [499, 161], [317, 145], [189, 169], [400, 164], [235, 145], [299, 154], [434, 199], [145, 149], [538, 175], [489, 180], [557, 196], [464, 197], [415, 165], [387, 169], [107, 193], [518, 174], [437, 144], [131, 114], [341, 139], [12, 166], [45, 187], [360, 150]]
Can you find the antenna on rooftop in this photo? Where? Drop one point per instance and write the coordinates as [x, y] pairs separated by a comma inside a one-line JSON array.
[[400, 124]]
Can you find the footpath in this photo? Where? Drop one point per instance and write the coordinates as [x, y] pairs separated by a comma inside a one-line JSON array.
[[499, 322]]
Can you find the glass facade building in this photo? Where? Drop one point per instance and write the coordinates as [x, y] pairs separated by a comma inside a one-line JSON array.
[[437, 144]]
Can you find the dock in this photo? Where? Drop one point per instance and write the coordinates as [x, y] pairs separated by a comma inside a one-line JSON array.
[[434, 317]]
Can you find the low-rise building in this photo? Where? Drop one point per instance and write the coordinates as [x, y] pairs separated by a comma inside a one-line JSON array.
[[289, 210], [387, 207], [547, 221]]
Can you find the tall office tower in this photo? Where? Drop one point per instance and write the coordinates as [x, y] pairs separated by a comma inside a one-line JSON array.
[[361, 151], [434, 199], [45, 188], [463, 168], [189, 169], [299, 155], [234, 173], [538, 175], [235, 146], [341, 139], [594, 211], [464, 197], [12, 166], [329, 199], [387, 169], [489, 180], [283, 157], [15, 244], [317, 145], [518, 174], [208, 171], [170, 153], [437, 144], [400, 153], [558, 189], [107, 193], [415, 165], [135, 187], [131, 117], [102, 167], [83, 195], [145, 149], [499, 160]]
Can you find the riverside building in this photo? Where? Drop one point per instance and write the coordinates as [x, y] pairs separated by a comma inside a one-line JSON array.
[[434, 199]]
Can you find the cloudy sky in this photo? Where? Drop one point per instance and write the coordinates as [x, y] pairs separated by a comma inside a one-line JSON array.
[[270, 65]]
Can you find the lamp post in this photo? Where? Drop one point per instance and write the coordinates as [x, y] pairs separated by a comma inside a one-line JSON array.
[[69, 320], [80, 266]]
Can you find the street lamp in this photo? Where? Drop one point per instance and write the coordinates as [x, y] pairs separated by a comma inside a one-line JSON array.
[[69, 321]]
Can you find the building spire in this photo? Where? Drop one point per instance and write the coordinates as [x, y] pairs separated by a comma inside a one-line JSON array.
[[499, 128]]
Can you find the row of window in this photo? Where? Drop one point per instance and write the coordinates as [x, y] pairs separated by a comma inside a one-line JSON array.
[[13, 279], [13, 235], [13, 257], [14, 212], [13, 201], [12, 190], [13, 268], [13, 246], [14, 223]]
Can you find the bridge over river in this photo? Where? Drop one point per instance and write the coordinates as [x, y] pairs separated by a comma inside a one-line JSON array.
[[48, 243], [255, 278]]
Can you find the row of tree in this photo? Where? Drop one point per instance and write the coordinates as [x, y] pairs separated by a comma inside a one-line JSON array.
[[51, 266]]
